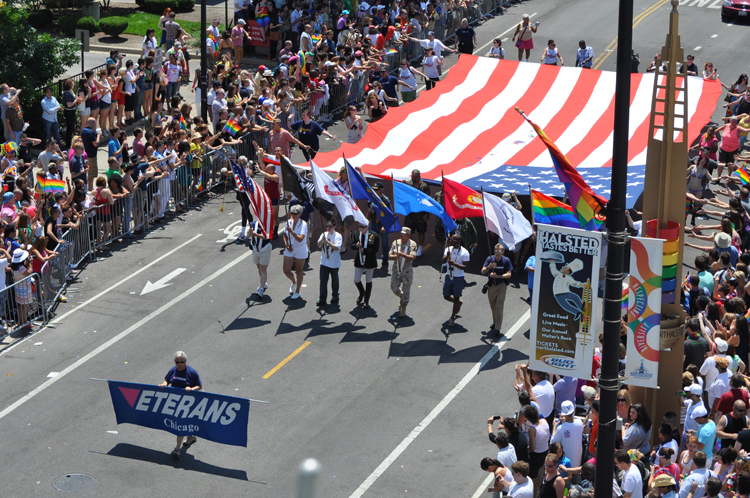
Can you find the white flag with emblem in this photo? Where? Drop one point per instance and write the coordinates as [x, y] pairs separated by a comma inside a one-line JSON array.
[[329, 190], [505, 220]]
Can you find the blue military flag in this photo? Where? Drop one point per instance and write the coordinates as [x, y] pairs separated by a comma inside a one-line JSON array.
[[362, 191], [408, 200]]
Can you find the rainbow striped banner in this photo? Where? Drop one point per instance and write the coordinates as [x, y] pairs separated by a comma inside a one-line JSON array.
[[742, 174], [50, 185]]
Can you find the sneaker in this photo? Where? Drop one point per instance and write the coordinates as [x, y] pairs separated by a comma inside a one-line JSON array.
[[69, 278], [385, 263], [260, 291], [265, 286], [321, 302], [295, 295], [292, 288], [176, 454], [402, 313], [191, 440], [334, 300], [127, 235], [419, 251], [242, 238]]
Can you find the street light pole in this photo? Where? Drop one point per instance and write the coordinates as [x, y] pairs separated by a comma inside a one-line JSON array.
[[204, 64], [616, 238]]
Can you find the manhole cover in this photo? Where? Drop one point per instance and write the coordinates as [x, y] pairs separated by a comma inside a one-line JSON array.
[[72, 483]]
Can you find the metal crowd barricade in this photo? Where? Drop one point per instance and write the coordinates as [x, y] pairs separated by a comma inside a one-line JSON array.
[[78, 245], [180, 186], [53, 280], [21, 305]]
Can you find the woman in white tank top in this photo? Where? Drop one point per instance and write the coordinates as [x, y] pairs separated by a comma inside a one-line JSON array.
[[408, 81], [551, 55]]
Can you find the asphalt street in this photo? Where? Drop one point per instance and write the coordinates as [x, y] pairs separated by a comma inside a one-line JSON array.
[[389, 407]]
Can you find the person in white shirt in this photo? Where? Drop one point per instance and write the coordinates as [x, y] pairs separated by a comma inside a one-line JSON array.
[[542, 391], [455, 258], [506, 453], [585, 55], [708, 369], [632, 483], [690, 403], [295, 254], [330, 261], [497, 51], [569, 432], [522, 486], [261, 256], [720, 385]]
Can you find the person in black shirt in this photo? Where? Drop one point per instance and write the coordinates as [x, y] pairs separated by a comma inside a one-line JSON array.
[[696, 346], [466, 38], [692, 69], [50, 229], [635, 61]]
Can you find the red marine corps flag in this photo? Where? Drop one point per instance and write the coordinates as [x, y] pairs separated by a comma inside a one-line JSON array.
[[460, 201]]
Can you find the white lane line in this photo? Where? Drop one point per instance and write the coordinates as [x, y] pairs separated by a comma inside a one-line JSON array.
[[479, 50], [484, 487], [121, 335], [714, 36], [89, 301], [697, 48], [440, 407]]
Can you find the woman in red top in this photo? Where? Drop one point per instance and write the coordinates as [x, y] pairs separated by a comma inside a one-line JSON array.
[[103, 199], [710, 142], [270, 183]]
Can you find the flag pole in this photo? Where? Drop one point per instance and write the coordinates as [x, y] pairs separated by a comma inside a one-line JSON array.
[[349, 183], [531, 197], [283, 189], [484, 218], [395, 217]]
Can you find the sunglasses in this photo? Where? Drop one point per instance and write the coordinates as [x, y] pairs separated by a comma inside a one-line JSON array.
[[330, 226], [621, 400], [179, 362]]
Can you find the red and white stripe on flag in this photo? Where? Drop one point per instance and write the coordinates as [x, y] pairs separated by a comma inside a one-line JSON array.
[[260, 203]]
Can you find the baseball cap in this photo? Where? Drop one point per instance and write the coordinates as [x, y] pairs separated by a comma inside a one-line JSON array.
[[699, 412], [721, 345], [588, 391], [506, 197], [358, 53], [695, 389], [262, 68], [430, 33], [406, 230], [241, 21], [267, 72], [344, 12], [377, 186], [567, 408]]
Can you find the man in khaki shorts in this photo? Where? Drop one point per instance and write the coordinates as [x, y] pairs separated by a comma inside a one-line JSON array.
[[261, 257], [403, 251]]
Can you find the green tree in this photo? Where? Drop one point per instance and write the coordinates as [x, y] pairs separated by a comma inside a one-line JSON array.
[[30, 59]]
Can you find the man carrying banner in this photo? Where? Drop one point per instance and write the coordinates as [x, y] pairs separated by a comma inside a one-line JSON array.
[[181, 376], [498, 269], [455, 258], [403, 252], [418, 221]]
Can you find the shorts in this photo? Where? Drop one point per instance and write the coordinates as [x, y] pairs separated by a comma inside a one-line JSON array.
[[85, 112], [416, 222], [129, 103], [453, 286], [275, 202], [726, 157], [536, 462], [103, 106], [262, 257], [347, 222], [298, 252], [409, 96], [94, 105], [149, 86], [121, 100], [93, 168]]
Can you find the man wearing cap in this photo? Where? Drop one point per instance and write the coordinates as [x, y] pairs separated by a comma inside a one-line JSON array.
[[498, 270], [706, 432], [375, 224], [418, 221], [456, 259], [435, 44], [691, 403], [308, 133], [239, 34], [569, 432], [709, 369], [403, 252], [390, 84], [720, 385]]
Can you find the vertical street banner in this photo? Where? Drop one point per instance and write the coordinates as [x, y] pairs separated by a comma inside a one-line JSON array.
[[644, 312], [564, 306], [215, 417]]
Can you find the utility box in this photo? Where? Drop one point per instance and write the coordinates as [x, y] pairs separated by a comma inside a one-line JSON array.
[[93, 9]]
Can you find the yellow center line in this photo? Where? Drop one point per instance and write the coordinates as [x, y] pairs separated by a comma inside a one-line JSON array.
[[636, 21], [286, 360]]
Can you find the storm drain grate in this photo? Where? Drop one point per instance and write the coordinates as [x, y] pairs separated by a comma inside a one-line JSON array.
[[73, 483]]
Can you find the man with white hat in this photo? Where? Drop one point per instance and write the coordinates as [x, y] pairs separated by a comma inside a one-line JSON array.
[[402, 253], [691, 403], [569, 432], [706, 433], [723, 242], [708, 369]]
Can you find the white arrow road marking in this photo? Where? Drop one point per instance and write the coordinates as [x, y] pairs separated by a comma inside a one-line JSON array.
[[162, 282]]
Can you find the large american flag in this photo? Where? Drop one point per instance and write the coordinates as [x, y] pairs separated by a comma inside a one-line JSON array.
[[467, 129], [260, 203]]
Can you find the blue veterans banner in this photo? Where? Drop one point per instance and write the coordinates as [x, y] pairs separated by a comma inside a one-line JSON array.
[[215, 417]]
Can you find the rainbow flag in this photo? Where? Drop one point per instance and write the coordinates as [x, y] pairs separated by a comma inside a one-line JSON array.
[[199, 183], [552, 212], [216, 46], [742, 174], [587, 205], [316, 38], [49, 185], [232, 127], [183, 124], [391, 51], [303, 65]]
